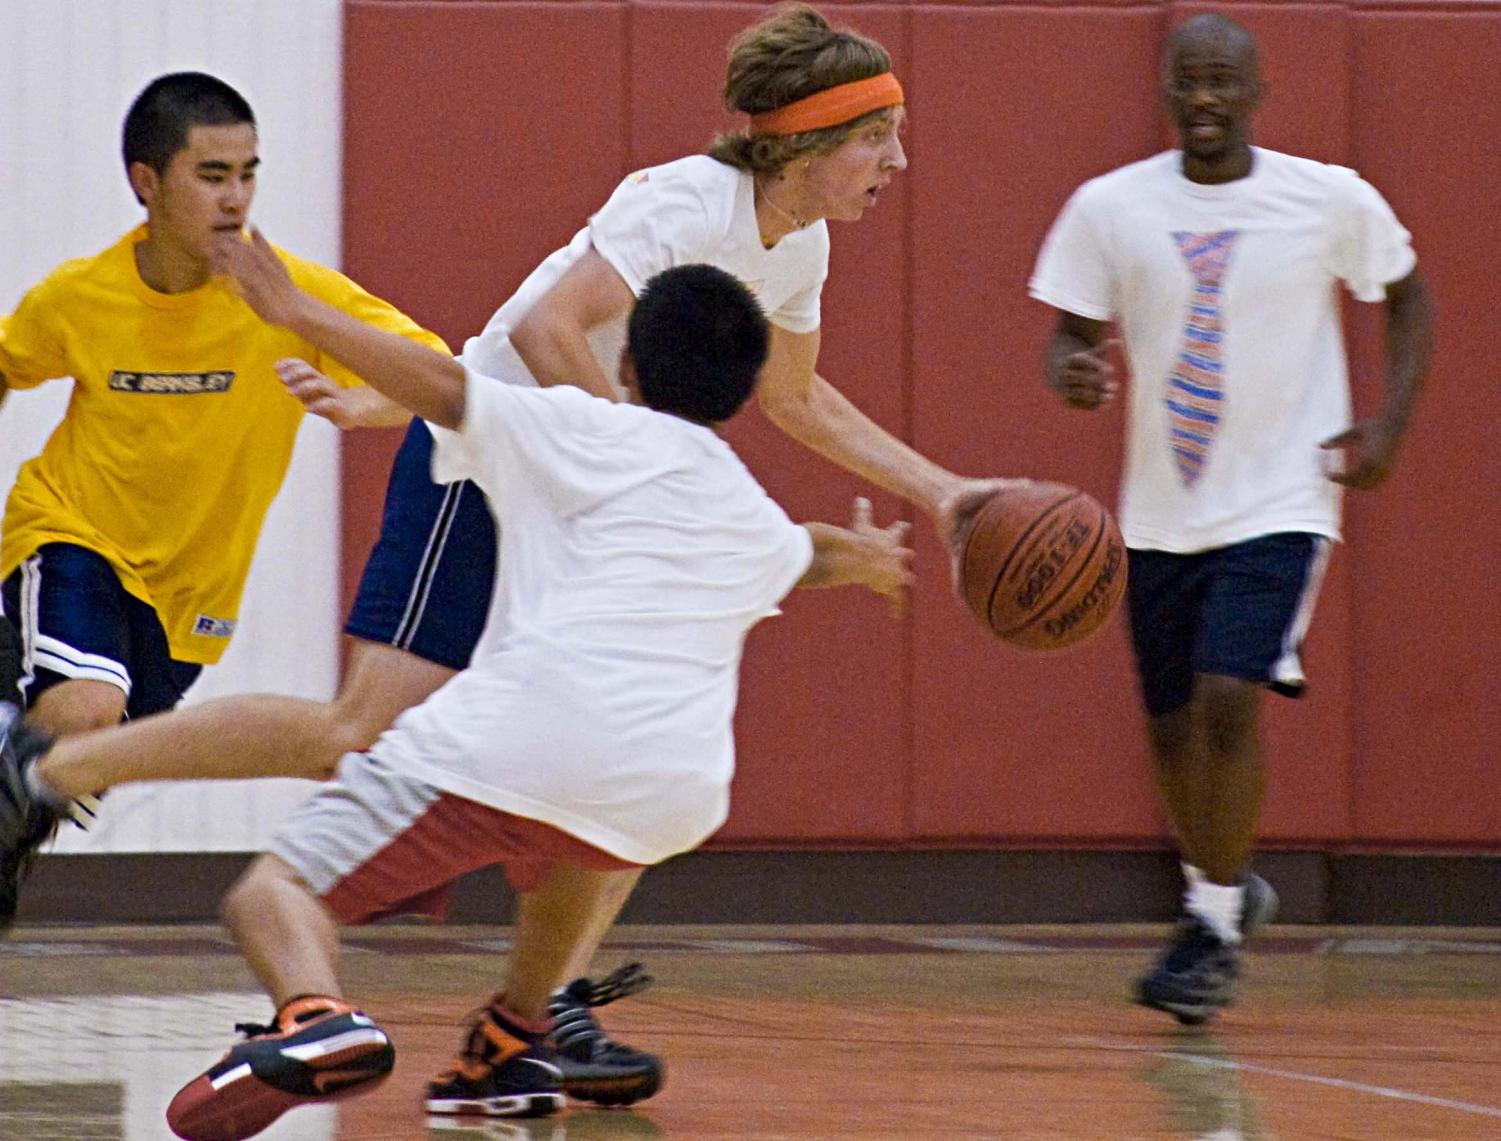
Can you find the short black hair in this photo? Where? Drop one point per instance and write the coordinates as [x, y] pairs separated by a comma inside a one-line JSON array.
[[157, 124], [697, 338]]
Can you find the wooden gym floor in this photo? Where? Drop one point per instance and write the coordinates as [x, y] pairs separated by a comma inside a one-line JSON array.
[[837, 1033]]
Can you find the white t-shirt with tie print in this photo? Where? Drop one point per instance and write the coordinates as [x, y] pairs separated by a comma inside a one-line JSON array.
[[1230, 289]]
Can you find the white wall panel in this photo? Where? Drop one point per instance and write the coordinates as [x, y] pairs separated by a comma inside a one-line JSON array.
[[68, 71]]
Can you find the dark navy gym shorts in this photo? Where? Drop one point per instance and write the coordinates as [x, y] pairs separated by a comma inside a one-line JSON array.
[[427, 586], [1240, 611], [77, 621]]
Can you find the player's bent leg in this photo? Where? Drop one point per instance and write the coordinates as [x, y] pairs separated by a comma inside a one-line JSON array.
[[252, 735], [287, 934], [318, 1048], [595, 1067], [76, 706], [507, 1068], [381, 682]]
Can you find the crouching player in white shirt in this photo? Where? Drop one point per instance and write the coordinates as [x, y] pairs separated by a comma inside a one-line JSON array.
[[639, 551]]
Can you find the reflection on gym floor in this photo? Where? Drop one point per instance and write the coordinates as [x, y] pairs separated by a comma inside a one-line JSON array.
[[835, 1034]]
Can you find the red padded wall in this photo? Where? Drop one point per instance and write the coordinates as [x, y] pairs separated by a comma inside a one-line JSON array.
[[479, 135], [1426, 649]]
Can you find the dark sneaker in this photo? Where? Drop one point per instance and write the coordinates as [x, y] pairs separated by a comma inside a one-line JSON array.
[[1258, 906], [596, 1068], [503, 1070], [26, 823], [320, 1049], [1194, 977], [11, 668]]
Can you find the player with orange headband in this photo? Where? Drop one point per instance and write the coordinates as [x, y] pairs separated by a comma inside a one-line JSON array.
[[821, 142]]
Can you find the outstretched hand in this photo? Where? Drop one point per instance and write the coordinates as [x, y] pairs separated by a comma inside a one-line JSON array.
[[262, 278], [319, 395], [1370, 453], [885, 556]]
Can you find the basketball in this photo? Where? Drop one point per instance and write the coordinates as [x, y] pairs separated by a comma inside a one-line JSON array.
[[1043, 565]]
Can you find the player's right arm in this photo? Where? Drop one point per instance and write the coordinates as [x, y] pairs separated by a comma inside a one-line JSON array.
[[861, 554], [430, 383], [1075, 364], [552, 338]]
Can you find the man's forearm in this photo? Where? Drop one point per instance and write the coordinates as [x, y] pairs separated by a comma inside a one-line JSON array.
[[1409, 348], [419, 378], [826, 421], [556, 355]]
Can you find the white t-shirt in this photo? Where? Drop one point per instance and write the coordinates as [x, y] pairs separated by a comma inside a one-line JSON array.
[[693, 210], [638, 553], [1294, 228]]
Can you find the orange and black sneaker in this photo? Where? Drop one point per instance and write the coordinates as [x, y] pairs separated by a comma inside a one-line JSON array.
[[319, 1049], [504, 1070], [595, 1067]]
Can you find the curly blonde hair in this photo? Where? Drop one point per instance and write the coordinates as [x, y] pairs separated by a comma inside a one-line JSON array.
[[790, 55]]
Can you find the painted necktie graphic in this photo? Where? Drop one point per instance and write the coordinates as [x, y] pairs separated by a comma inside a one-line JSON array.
[[1195, 390]]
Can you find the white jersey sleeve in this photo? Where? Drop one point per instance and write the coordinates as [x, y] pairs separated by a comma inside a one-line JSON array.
[[558, 446], [1073, 266], [652, 222], [1371, 249]]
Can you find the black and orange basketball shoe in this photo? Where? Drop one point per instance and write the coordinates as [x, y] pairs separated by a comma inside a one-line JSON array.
[[596, 1068], [503, 1070], [319, 1049], [26, 821]]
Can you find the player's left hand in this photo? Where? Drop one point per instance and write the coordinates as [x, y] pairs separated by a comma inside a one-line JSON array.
[[318, 394], [886, 557], [1370, 453], [263, 279]]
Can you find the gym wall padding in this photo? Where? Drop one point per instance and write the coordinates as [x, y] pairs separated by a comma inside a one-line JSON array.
[[479, 136]]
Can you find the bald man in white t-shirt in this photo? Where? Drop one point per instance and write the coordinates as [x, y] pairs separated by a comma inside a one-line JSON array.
[[1219, 264]]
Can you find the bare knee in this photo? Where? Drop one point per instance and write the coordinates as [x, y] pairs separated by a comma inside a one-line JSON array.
[[1227, 709], [78, 705]]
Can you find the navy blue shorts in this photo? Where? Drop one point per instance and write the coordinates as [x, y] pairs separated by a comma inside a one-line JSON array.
[[77, 622], [1238, 611], [427, 586]]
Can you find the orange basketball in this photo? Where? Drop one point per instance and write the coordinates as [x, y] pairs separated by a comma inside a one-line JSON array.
[[1044, 565]]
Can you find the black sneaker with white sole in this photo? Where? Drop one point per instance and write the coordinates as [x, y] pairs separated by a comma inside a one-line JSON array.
[[1195, 977], [595, 1067]]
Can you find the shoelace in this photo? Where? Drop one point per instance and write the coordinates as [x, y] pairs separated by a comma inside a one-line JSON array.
[[255, 1029], [619, 983], [576, 1032]]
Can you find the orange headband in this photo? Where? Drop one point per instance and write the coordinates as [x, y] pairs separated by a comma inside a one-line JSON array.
[[830, 107]]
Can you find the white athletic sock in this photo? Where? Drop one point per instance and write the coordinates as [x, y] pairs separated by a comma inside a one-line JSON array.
[[1219, 906], [1191, 875]]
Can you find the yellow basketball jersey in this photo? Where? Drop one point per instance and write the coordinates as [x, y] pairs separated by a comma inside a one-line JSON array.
[[178, 433]]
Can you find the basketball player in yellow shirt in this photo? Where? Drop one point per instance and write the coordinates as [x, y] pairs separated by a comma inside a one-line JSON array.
[[127, 542]]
